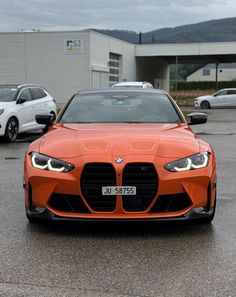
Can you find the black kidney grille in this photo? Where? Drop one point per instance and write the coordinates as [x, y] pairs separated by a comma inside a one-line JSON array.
[[144, 177], [93, 178]]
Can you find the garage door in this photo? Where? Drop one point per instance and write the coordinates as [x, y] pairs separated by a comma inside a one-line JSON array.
[[99, 79]]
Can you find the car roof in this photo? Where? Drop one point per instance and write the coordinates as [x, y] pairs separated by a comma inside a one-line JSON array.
[[15, 86], [225, 89], [132, 83], [18, 86], [122, 90]]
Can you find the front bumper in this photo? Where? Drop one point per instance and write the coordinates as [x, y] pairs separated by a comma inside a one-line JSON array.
[[194, 192], [193, 214]]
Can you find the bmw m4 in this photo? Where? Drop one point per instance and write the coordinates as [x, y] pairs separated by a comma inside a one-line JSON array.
[[118, 154]]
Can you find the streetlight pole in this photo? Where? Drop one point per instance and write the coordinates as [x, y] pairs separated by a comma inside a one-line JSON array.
[[176, 73], [217, 83]]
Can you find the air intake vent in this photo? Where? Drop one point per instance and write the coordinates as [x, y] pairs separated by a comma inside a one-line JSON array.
[[144, 177], [169, 203], [68, 203], [94, 177]]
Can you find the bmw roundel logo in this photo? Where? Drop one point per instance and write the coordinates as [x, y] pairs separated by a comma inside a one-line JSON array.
[[119, 160]]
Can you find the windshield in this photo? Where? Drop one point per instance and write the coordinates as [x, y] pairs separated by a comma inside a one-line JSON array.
[[120, 107], [7, 94]]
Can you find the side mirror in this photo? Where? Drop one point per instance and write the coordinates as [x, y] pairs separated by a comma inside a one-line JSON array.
[[21, 100], [196, 118], [45, 119]]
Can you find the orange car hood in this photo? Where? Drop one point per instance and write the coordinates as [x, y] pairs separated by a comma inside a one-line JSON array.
[[164, 140]]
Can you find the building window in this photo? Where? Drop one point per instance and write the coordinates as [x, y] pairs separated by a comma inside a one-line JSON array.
[[114, 68], [206, 72]]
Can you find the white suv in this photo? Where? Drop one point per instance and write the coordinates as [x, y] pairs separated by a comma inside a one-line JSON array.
[[19, 104], [134, 84]]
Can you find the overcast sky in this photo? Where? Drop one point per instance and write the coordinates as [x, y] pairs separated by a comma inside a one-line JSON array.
[[138, 15]]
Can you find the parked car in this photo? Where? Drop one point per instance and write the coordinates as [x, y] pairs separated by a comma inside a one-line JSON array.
[[222, 99], [118, 154], [133, 84], [19, 103]]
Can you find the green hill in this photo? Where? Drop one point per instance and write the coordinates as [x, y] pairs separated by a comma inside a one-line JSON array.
[[210, 31]]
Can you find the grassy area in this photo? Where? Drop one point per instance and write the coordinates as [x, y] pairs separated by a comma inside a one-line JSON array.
[[186, 112]]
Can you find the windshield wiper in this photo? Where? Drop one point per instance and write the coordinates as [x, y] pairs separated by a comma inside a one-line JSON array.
[[132, 122]]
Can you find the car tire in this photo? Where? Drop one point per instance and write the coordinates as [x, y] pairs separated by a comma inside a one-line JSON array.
[[11, 131], [205, 105]]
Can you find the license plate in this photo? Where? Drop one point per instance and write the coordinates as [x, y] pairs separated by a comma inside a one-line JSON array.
[[123, 190]]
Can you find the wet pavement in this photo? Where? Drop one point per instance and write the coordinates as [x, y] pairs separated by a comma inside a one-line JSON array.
[[121, 259]]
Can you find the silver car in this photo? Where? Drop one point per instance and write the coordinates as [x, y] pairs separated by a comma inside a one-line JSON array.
[[225, 98]]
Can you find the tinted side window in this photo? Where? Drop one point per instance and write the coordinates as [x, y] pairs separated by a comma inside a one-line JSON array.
[[25, 94], [43, 93], [231, 92], [37, 93], [221, 93]]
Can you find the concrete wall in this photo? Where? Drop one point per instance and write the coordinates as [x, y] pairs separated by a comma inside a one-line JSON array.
[[41, 58], [49, 64], [12, 58], [101, 46], [186, 49], [44, 58]]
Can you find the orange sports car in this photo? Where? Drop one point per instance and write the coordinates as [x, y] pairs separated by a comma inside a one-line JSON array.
[[119, 154]]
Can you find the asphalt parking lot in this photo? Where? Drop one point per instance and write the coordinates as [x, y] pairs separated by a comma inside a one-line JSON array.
[[121, 259]]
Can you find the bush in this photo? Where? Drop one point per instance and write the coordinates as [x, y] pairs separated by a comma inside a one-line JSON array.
[[205, 85]]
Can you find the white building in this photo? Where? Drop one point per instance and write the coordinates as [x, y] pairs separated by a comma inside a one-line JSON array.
[[65, 62], [226, 72]]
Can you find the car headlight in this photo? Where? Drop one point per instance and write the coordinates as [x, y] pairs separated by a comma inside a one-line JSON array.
[[44, 162], [1, 111], [190, 163]]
